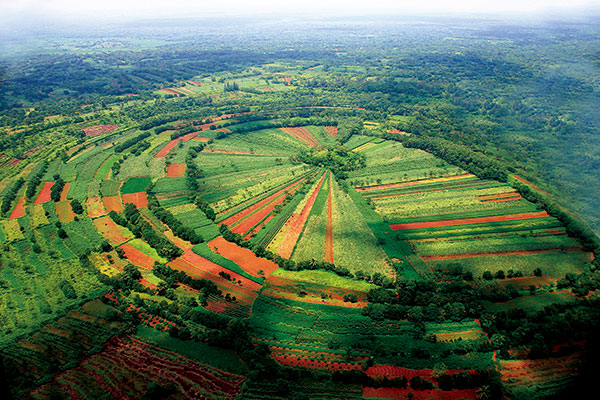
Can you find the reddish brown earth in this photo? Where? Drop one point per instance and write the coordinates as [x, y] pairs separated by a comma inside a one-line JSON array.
[[65, 191], [95, 208], [19, 210], [245, 258], [331, 131], [139, 199], [412, 183], [502, 199], [531, 185], [465, 221], [400, 393], [303, 135], [44, 195], [427, 191], [235, 218], [64, 212], [170, 91], [107, 228], [137, 257], [112, 203], [175, 170], [97, 130], [297, 223]]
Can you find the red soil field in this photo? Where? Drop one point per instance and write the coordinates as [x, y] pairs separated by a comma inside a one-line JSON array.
[[293, 361], [258, 216], [245, 293], [531, 185], [398, 393], [332, 131], [303, 135], [202, 139], [109, 230], [112, 203], [329, 228], [19, 210], [165, 150], [296, 223], [258, 227], [502, 199], [465, 221], [97, 130], [502, 253], [202, 264], [284, 285], [139, 199], [245, 258], [312, 299], [126, 367], [412, 183], [95, 208], [65, 191], [14, 161], [426, 191], [137, 257], [182, 244], [64, 211], [235, 218], [497, 195], [169, 91], [175, 170], [44, 195]]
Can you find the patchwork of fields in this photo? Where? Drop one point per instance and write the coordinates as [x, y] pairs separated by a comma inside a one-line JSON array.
[[165, 210]]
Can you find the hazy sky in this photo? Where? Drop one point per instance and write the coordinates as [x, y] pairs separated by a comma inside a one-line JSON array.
[[168, 8]]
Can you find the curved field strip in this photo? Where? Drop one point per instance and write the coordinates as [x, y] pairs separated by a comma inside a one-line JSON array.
[[295, 224], [139, 199], [502, 253], [413, 183], [465, 221], [470, 186], [531, 185], [175, 170], [495, 196], [44, 195], [245, 294], [245, 258], [19, 210], [95, 208], [205, 265]]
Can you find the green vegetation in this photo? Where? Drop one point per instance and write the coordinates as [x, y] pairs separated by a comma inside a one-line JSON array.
[[390, 194]]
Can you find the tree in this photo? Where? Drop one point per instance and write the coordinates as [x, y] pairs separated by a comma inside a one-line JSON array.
[[76, 206], [537, 272]]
